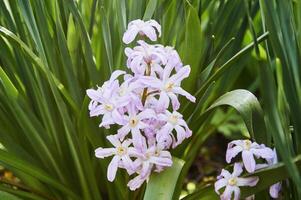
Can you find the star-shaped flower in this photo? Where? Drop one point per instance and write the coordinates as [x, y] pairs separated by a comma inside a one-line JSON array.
[[248, 150], [232, 182], [142, 28]]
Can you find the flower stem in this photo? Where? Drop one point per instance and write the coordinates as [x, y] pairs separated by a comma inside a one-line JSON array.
[[144, 94]]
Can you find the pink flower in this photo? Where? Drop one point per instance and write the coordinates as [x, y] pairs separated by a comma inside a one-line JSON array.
[[104, 101], [121, 152], [169, 86], [150, 157], [145, 55], [136, 182], [142, 28], [174, 121], [248, 150], [232, 182], [173, 58], [133, 122]]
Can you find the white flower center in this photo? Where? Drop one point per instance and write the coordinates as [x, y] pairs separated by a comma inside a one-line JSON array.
[[168, 87], [133, 122], [247, 144], [173, 119], [121, 151], [147, 156], [121, 92], [109, 107], [232, 181]]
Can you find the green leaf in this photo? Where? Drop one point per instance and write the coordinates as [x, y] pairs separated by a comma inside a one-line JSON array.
[[150, 9], [8, 85], [250, 110], [161, 185], [15, 163], [193, 47], [7, 196]]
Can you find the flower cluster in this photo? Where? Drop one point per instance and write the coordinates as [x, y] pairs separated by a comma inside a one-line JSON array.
[[144, 105], [249, 151]]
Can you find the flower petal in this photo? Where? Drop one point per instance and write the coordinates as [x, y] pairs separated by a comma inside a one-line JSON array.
[[150, 33], [104, 152], [146, 114], [136, 182], [163, 102], [161, 161], [265, 153], [130, 35], [180, 75], [94, 94], [114, 140], [179, 90], [227, 193], [123, 131], [274, 190], [224, 173], [112, 168], [236, 193], [219, 184], [232, 152], [250, 181], [249, 161], [237, 169], [174, 101]]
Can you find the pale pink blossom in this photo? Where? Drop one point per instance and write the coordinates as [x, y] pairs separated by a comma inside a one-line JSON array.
[[121, 152], [232, 182], [248, 150], [145, 56], [169, 87], [148, 28], [105, 102], [133, 122], [174, 121]]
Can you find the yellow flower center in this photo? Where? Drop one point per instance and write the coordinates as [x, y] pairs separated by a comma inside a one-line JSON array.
[[232, 181], [109, 107], [133, 122], [247, 144], [173, 119], [169, 86], [121, 151]]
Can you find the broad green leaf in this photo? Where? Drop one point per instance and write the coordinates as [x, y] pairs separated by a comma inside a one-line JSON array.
[[161, 185], [249, 109]]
